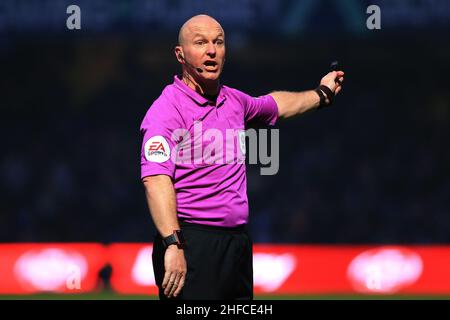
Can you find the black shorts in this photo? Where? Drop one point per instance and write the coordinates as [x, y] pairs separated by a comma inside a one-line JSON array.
[[219, 263]]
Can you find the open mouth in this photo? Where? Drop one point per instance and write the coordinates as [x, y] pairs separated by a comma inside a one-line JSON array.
[[210, 65]]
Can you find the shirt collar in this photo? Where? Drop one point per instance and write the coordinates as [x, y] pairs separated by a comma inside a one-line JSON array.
[[194, 95]]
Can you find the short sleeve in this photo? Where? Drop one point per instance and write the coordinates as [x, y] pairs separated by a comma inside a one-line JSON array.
[[261, 110], [158, 144]]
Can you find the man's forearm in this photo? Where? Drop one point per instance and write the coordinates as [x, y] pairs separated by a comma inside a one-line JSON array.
[[161, 201], [294, 103]]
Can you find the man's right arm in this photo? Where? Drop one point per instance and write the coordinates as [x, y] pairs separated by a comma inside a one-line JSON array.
[[291, 104], [161, 200]]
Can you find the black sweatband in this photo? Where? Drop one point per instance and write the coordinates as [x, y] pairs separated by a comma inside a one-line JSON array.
[[321, 96], [322, 91], [328, 92]]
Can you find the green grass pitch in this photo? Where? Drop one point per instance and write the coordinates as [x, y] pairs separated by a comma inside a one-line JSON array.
[[114, 296]]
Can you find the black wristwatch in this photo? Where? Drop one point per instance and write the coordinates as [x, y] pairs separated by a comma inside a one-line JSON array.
[[175, 238]]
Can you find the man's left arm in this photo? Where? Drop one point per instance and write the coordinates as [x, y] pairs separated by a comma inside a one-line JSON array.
[[291, 104]]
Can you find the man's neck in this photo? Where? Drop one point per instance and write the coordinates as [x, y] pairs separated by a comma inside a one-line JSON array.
[[205, 89]]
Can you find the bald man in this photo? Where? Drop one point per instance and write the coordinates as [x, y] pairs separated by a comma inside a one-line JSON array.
[[202, 249]]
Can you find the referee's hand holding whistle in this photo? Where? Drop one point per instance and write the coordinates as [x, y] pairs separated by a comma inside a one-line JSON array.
[[333, 80], [175, 275]]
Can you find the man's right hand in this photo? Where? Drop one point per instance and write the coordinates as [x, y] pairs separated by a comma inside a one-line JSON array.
[[329, 80], [175, 275]]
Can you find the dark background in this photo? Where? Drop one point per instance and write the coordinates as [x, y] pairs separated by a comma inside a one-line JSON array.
[[374, 168]]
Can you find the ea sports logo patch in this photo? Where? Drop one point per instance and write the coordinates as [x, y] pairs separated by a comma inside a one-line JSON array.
[[156, 149]]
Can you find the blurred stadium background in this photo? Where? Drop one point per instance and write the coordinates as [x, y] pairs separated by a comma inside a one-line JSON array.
[[359, 207]]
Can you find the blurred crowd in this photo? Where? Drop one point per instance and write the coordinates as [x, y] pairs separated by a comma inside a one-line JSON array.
[[374, 168]]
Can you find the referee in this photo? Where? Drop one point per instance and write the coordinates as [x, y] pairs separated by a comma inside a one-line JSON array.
[[202, 249]]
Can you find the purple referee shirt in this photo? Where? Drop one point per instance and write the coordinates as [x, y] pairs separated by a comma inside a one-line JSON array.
[[201, 146]]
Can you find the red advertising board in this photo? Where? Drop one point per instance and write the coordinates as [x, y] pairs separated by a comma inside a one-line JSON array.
[[290, 269], [278, 269], [50, 267], [132, 268], [352, 269]]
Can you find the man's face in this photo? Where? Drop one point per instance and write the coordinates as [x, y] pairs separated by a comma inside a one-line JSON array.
[[203, 46]]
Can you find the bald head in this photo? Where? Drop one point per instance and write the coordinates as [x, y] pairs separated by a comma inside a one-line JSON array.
[[195, 24], [201, 51]]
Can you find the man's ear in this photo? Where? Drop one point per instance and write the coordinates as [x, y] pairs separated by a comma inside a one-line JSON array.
[[179, 54]]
